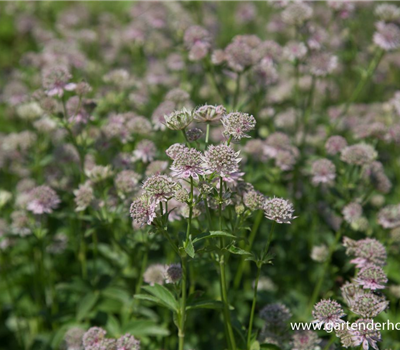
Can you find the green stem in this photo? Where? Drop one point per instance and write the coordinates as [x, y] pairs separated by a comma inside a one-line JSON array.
[[318, 286], [181, 331], [237, 91], [207, 132], [253, 306], [186, 139]]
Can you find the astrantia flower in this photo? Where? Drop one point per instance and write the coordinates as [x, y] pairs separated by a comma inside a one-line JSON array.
[[294, 51], [279, 210], [83, 196], [187, 164], [145, 151], [387, 12], [350, 291], [322, 64], [209, 113], [347, 337], [366, 334], [194, 134], [376, 174], [29, 110], [371, 277], [174, 150], [237, 125], [238, 55], [126, 181], [274, 314], [253, 200], [94, 338], [297, 13], [143, 211], [335, 144], [99, 173], [56, 79], [368, 305], [155, 274], [197, 40], [389, 216], [351, 212], [319, 253], [305, 340], [221, 160], [127, 342], [73, 338], [328, 312], [173, 273], [359, 154], [323, 172], [42, 200], [160, 187], [179, 120], [368, 252], [387, 36]]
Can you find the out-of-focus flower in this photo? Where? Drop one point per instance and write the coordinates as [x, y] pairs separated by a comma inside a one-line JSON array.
[[179, 120], [99, 173], [194, 134], [126, 181], [143, 211], [237, 125], [83, 196], [275, 314], [319, 253], [297, 13], [323, 172], [173, 273], [328, 312], [389, 216], [29, 110], [155, 273], [387, 12], [73, 338], [335, 144], [294, 51], [209, 113], [351, 212], [359, 154], [279, 210], [387, 36], [369, 252], [187, 164], [198, 41], [127, 342], [245, 12], [145, 151], [253, 200], [43, 199], [221, 160], [94, 338], [305, 340], [371, 277], [321, 64], [56, 80]]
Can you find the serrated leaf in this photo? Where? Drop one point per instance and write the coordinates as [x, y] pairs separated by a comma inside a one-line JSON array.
[[164, 295], [86, 305]]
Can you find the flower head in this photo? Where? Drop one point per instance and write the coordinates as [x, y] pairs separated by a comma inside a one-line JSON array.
[[328, 312], [323, 172], [389, 216], [94, 338], [160, 187], [253, 200], [194, 134], [174, 150], [322, 64], [387, 36], [368, 252], [237, 125], [275, 314], [371, 277], [221, 160], [43, 199], [126, 181], [368, 305], [359, 154], [366, 334], [179, 120], [305, 340], [297, 13], [335, 144], [209, 113], [127, 342], [279, 210], [145, 151], [350, 291], [187, 164], [387, 12], [83, 196], [155, 274], [56, 79], [73, 338], [351, 212], [143, 211], [173, 273]]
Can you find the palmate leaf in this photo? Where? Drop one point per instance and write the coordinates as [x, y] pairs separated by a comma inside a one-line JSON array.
[[139, 328], [163, 296], [86, 305]]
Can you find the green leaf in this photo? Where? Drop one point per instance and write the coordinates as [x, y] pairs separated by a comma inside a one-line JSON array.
[[113, 326], [214, 234], [189, 248], [86, 305], [164, 295], [269, 347], [139, 328], [117, 294], [239, 251], [204, 304], [255, 345]]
